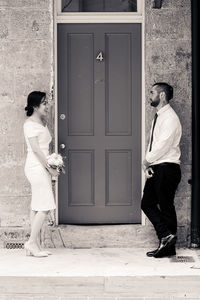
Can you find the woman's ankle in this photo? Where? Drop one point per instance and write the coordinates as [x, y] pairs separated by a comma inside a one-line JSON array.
[[32, 242]]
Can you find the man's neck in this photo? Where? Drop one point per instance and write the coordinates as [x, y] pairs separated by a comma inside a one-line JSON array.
[[161, 105]]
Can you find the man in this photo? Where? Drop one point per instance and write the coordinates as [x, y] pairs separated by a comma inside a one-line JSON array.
[[162, 169]]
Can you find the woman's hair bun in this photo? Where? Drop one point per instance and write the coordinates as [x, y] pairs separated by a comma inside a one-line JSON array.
[[29, 109]]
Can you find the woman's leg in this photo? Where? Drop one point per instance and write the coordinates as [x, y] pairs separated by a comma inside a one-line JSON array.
[[32, 216], [37, 222]]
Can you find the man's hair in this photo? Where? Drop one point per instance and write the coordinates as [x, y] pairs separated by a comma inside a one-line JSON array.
[[165, 87]]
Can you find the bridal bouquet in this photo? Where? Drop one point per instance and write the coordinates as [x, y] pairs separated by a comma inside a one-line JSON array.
[[55, 161]]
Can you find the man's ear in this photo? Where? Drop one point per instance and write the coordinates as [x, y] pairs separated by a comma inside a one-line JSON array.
[[162, 95]]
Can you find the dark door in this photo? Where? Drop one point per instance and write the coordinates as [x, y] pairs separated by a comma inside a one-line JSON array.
[[99, 92]]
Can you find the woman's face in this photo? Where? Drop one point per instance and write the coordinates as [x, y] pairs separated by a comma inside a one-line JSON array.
[[43, 108]]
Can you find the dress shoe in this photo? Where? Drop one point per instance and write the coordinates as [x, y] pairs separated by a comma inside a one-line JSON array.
[[169, 252], [34, 251], [46, 251], [166, 246], [151, 253]]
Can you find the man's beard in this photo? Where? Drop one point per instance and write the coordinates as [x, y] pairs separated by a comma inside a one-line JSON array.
[[155, 103]]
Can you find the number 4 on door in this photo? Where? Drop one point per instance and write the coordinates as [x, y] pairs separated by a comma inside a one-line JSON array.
[[100, 56]]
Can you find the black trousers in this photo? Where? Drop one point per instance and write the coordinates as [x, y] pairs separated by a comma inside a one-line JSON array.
[[158, 198]]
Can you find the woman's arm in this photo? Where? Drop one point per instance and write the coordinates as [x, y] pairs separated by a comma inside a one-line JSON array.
[[40, 155]]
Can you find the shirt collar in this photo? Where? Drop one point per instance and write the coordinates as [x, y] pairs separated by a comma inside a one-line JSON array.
[[163, 109]]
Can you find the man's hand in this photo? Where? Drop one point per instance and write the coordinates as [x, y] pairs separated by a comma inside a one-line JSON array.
[[149, 172], [145, 165]]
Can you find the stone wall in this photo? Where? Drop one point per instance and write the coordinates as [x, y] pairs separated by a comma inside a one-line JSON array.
[[168, 58], [26, 55], [26, 64]]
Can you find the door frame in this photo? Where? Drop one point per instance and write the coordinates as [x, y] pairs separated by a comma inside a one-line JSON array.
[[60, 17]]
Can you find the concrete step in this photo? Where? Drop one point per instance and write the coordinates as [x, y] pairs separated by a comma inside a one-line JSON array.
[[94, 236], [91, 274], [110, 288]]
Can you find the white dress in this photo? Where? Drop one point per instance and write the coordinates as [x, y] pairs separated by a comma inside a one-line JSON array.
[[37, 175]]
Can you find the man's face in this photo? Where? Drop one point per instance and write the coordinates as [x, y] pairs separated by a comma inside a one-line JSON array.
[[154, 97]]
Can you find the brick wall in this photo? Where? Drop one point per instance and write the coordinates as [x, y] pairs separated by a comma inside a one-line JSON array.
[[26, 64]]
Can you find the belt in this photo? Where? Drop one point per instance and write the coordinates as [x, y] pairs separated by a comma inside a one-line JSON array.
[[164, 164]]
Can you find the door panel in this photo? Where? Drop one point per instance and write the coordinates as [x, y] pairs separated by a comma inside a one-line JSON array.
[[118, 96], [102, 129], [118, 177], [80, 82], [81, 174]]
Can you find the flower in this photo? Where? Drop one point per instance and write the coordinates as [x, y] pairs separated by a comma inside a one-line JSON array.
[[55, 161]]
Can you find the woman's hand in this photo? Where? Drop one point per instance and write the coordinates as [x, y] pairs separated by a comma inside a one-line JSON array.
[[53, 172]]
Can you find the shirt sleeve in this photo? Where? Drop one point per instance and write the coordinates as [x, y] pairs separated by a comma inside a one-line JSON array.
[[30, 130], [168, 131]]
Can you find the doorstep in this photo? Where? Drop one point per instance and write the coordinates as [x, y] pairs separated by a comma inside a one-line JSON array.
[[91, 236], [98, 273]]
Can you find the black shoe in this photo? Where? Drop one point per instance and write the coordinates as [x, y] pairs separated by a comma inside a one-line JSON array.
[[151, 253], [165, 253], [170, 251], [166, 247]]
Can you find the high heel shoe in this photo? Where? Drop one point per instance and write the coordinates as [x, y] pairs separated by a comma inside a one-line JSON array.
[[31, 251], [46, 251]]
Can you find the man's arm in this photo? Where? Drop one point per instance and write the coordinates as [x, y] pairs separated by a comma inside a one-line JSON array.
[[168, 132]]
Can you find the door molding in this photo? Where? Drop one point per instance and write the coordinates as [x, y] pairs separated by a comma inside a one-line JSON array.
[[99, 18]]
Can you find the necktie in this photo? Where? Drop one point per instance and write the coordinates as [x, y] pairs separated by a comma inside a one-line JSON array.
[[151, 140]]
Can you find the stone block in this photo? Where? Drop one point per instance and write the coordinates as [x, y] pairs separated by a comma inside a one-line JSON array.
[[30, 25], [14, 234], [4, 24], [13, 219], [182, 211], [133, 298], [25, 4], [160, 287], [178, 4], [51, 237], [168, 57], [57, 286], [102, 298], [26, 82], [17, 185], [168, 24], [183, 233], [14, 205], [32, 56], [99, 236], [169, 4], [14, 155], [184, 189], [6, 88]]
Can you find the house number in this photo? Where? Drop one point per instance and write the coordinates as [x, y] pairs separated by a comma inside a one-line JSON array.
[[100, 56]]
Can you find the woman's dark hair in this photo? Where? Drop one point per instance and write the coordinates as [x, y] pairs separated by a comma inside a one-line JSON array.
[[34, 100], [165, 87]]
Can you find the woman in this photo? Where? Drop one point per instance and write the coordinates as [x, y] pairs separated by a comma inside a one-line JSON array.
[[37, 170]]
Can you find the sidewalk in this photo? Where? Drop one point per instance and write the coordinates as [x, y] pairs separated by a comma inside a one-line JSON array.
[[98, 273]]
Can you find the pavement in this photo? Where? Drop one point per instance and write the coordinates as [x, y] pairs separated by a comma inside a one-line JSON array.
[[97, 262], [99, 274]]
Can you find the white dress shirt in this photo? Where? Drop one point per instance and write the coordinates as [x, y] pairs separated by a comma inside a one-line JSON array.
[[166, 138]]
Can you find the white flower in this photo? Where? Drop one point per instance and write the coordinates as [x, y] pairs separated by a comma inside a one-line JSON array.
[[55, 160]]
